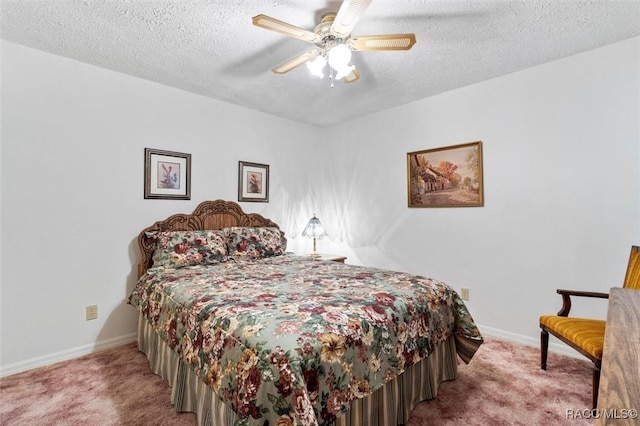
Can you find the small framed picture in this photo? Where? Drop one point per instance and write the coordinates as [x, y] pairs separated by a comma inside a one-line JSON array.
[[167, 175], [449, 176], [253, 182]]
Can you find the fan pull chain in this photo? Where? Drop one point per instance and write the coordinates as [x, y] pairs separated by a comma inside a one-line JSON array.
[[331, 72]]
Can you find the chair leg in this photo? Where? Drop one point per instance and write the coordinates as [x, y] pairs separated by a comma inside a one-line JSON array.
[[544, 348], [596, 386]]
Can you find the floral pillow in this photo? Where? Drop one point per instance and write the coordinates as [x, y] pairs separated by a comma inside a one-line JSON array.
[[254, 242], [176, 249]]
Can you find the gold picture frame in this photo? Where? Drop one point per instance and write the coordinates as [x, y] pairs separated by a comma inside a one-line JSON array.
[[167, 175], [449, 176], [253, 182]]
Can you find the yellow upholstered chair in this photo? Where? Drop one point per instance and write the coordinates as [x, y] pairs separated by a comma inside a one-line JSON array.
[[583, 334]]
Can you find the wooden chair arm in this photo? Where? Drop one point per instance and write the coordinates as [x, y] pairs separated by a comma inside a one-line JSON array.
[[566, 298]]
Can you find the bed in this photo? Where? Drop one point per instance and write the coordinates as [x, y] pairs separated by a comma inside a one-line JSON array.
[[246, 333]]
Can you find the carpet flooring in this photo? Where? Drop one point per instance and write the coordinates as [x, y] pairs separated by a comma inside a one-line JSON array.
[[503, 385]]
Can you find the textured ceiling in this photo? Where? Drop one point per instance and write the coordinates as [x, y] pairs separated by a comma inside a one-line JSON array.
[[212, 48]]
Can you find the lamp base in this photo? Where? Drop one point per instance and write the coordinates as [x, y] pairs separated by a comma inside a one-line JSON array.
[[314, 255]]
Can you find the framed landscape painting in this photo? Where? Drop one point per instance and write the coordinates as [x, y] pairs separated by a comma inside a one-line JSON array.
[[167, 175], [450, 176]]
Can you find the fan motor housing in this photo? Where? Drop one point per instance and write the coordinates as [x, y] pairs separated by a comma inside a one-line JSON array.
[[323, 29]]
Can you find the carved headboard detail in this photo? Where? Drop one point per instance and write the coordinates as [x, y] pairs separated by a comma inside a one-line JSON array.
[[209, 215]]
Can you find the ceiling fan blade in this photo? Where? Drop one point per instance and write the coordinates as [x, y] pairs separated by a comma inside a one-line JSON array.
[[273, 24], [351, 77], [295, 62], [383, 42], [348, 16]]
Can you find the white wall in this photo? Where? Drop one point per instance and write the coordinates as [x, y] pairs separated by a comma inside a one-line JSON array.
[[562, 189], [561, 145], [73, 139]]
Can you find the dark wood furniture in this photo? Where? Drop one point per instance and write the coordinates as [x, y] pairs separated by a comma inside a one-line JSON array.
[[585, 335], [620, 380]]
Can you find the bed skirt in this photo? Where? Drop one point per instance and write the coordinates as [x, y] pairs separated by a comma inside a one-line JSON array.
[[389, 405]]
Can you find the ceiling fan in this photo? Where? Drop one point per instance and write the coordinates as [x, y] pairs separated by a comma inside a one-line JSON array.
[[334, 43]]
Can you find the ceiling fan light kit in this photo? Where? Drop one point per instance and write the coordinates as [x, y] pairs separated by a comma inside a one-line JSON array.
[[316, 67], [332, 36], [340, 60]]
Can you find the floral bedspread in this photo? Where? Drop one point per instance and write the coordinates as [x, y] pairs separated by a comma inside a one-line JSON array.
[[292, 341]]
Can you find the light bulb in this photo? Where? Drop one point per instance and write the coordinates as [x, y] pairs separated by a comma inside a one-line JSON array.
[[317, 65], [339, 56]]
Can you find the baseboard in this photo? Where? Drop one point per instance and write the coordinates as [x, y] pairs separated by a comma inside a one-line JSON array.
[[30, 364], [559, 348]]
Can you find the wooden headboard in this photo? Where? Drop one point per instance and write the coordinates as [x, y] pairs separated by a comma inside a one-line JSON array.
[[209, 215]]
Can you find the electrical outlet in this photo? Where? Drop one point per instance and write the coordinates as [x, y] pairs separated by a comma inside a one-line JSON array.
[[92, 312], [464, 293]]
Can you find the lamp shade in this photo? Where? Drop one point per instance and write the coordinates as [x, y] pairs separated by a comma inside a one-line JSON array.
[[314, 229], [339, 58], [317, 65]]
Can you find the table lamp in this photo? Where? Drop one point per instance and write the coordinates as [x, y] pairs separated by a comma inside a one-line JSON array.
[[315, 230]]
